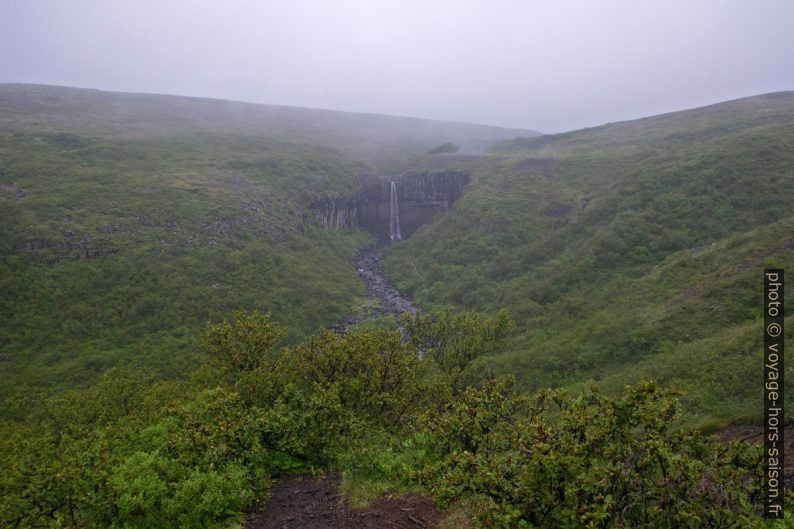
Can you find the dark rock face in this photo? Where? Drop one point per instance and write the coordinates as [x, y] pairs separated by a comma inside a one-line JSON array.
[[337, 214], [420, 197]]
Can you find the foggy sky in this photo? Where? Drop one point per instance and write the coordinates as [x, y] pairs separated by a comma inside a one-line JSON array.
[[545, 65]]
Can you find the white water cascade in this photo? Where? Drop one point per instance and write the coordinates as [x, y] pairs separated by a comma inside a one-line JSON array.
[[394, 222]]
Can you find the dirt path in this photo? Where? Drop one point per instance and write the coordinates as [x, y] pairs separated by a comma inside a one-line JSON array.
[[309, 502], [389, 299]]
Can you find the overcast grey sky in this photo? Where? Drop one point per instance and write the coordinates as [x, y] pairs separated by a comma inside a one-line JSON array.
[[548, 65]]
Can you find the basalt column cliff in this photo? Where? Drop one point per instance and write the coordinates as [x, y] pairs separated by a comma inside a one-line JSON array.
[[393, 207]]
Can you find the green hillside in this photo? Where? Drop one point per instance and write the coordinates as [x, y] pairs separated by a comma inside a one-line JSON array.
[[143, 240], [127, 221], [628, 251]]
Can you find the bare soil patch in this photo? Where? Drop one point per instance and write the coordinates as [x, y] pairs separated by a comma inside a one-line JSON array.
[[314, 502]]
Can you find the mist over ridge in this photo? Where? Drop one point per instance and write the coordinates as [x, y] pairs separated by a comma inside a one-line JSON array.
[[531, 65]]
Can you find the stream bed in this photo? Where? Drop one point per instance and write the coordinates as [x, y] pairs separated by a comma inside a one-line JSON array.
[[388, 300]]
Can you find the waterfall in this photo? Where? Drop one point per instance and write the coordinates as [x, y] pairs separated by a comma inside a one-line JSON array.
[[394, 221]]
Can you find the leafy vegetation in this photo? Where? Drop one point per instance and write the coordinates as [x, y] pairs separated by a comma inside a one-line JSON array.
[[135, 452]]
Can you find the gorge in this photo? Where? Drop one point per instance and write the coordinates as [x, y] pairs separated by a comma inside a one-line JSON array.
[[390, 208]]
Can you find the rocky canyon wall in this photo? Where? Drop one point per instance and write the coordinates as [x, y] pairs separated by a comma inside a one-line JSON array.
[[421, 196]]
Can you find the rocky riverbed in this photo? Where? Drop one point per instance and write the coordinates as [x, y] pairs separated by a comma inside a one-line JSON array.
[[388, 300]]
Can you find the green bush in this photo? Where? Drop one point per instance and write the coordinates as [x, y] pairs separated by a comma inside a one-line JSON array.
[[134, 453], [590, 461], [318, 395]]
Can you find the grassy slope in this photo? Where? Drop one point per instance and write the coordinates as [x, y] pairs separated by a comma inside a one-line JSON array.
[[128, 220], [628, 251]]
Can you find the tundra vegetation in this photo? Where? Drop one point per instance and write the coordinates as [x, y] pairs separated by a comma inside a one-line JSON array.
[[624, 252], [628, 255]]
